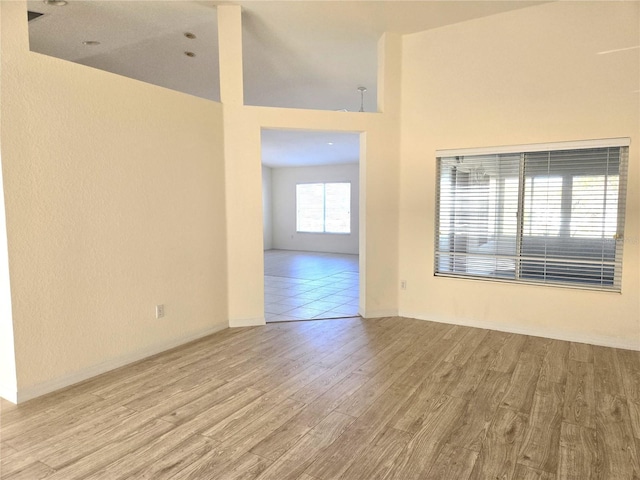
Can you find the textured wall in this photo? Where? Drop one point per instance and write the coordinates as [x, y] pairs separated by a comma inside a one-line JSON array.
[[529, 76], [267, 210], [115, 203], [379, 147]]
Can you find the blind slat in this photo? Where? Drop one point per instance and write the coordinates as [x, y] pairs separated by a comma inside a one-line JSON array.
[[545, 216]]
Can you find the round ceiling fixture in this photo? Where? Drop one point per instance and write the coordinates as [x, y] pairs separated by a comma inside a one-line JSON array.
[[190, 35], [190, 54], [55, 3]]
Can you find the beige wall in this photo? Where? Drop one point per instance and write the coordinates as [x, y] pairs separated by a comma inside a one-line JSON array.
[[285, 236], [267, 210], [378, 182], [115, 203], [378, 194], [8, 381], [527, 76], [119, 195]]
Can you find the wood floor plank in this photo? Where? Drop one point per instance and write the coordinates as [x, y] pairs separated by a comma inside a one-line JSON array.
[[61, 454], [477, 365], [470, 429], [73, 438], [536, 346], [34, 471], [177, 459], [412, 415], [246, 415], [292, 463], [519, 395], [527, 473], [111, 452], [607, 373], [580, 400], [453, 462], [242, 442], [417, 458], [542, 434], [378, 335], [336, 459], [331, 377], [285, 401], [220, 409], [6, 451], [630, 370], [617, 447], [431, 358], [581, 352], [460, 353], [360, 401], [276, 444], [247, 467], [507, 357], [554, 364], [32, 424], [579, 457], [376, 462], [499, 455], [382, 359]]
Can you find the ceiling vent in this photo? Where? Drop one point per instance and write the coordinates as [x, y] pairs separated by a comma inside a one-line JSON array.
[[33, 15]]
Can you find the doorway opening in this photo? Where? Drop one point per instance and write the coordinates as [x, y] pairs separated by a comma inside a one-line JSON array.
[[310, 191]]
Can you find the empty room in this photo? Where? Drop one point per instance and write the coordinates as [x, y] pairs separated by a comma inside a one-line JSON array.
[[310, 197], [494, 209]]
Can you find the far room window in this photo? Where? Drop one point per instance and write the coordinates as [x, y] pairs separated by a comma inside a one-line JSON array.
[[323, 207], [546, 214]]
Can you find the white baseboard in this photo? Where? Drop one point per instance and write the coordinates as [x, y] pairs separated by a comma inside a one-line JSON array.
[[247, 322], [379, 313], [49, 386], [614, 342]]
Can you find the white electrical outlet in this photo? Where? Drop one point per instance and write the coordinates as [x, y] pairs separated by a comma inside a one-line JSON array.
[[159, 311], [403, 284]]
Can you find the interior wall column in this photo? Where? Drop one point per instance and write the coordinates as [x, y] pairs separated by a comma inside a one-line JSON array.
[[380, 191], [230, 54], [243, 181]]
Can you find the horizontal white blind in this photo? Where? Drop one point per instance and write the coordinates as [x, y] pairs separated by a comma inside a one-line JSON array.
[[536, 147], [477, 221], [540, 216]]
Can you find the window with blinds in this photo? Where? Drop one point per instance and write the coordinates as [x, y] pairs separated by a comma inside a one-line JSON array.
[[550, 214]]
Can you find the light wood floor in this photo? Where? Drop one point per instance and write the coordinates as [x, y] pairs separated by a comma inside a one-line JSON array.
[[355, 399]]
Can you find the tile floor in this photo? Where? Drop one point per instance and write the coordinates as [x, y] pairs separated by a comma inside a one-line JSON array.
[[306, 285]]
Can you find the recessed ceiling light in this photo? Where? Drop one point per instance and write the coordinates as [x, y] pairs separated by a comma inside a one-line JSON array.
[[55, 3], [190, 35], [91, 43], [190, 54], [330, 143]]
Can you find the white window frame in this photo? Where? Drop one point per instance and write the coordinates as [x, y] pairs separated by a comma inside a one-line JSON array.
[[444, 249], [324, 230]]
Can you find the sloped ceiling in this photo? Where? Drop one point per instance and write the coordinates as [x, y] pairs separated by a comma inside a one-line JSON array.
[[297, 54]]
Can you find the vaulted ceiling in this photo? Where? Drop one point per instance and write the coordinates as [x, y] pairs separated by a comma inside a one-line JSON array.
[[297, 54]]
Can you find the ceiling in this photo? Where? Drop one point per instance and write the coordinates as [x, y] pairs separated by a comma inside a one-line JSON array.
[[298, 148], [296, 54]]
